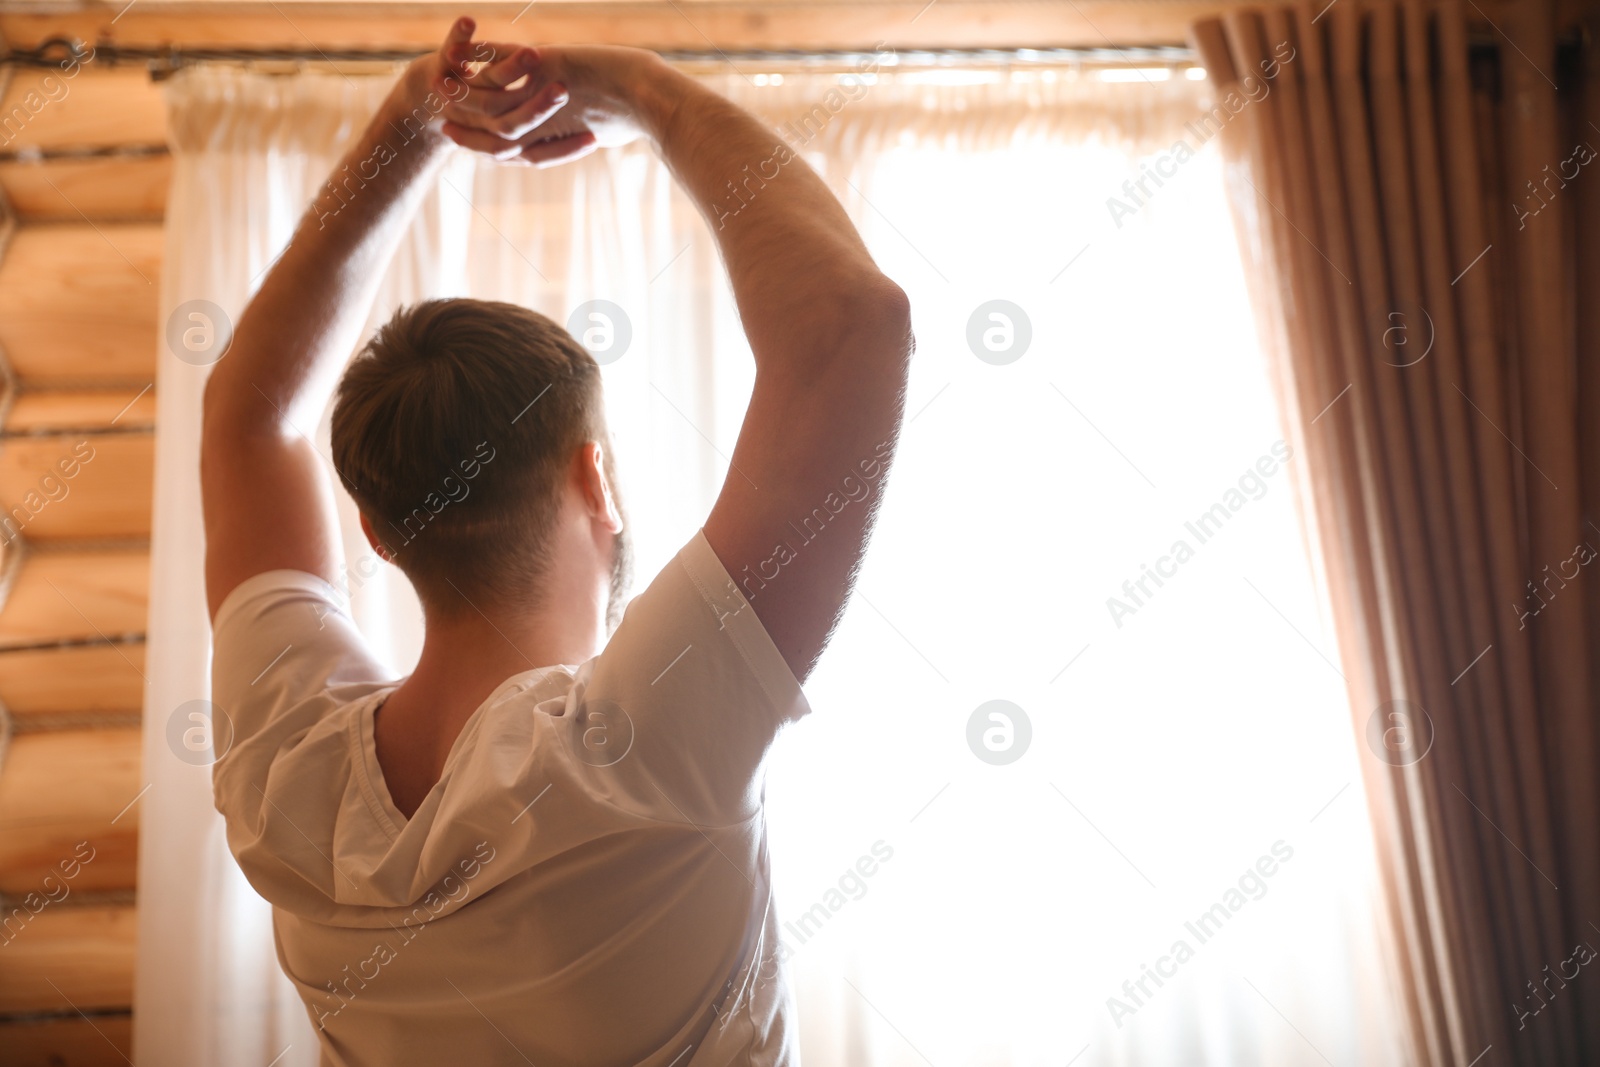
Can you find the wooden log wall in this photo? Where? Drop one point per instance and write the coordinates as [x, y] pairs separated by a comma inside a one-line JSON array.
[[79, 268]]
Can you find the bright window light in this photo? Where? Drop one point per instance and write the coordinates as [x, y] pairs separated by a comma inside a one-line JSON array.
[[950, 77], [1136, 74], [1171, 747]]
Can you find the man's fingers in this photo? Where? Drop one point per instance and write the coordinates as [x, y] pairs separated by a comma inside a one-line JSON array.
[[535, 113], [559, 149], [503, 63], [482, 141], [482, 107], [509, 114], [460, 33], [511, 65]]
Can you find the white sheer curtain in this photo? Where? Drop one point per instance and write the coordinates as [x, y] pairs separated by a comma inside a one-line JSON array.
[[249, 152], [1167, 754]]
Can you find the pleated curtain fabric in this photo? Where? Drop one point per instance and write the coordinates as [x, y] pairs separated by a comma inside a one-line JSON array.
[[1415, 196]]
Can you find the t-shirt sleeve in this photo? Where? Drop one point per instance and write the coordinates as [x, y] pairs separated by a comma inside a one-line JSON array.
[[281, 640], [676, 715]]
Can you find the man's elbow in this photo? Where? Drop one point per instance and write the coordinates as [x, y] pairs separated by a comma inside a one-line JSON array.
[[878, 320], [896, 312], [230, 419]]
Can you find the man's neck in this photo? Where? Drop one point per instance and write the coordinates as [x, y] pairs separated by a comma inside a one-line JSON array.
[[465, 659]]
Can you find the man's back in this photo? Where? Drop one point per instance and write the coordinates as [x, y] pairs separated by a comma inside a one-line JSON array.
[[587, 883]]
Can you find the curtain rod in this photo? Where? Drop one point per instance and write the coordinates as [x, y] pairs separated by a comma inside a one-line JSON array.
[[164, 61]]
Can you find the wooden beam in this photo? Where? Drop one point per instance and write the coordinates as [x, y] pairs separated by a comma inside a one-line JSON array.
[[78, 303], [66, 959], [77, 486], [43, 109], [76, 596], [113, 188], [67, 807], [68, 1041], [92, 410], [664, 24], [55, 682]]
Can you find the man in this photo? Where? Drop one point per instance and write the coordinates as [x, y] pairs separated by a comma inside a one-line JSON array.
[[532, 850]]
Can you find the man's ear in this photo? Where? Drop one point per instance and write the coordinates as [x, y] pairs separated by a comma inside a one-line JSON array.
[[598, 494], [372, 539]]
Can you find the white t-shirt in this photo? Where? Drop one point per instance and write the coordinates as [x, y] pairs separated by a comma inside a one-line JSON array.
[[586, 884]]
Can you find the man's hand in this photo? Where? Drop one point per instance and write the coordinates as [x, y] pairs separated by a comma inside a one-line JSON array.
[[554, 104], [446, 71]]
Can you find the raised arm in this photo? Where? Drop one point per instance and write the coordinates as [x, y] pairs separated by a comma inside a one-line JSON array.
[[268, 500], [832, 342], [830, 333]]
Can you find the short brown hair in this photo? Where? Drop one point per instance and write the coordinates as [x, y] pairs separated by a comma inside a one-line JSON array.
[[453, 431]]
